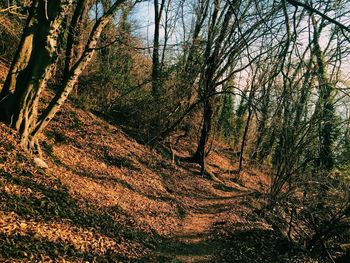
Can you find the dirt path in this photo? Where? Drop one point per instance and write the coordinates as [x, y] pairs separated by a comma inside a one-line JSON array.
[[195, 239], [191, 241]]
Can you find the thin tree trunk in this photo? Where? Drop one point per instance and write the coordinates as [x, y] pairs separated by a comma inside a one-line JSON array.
[[200, 155], [156, 83], [244, 139], [326, 108], [74, 47], [262, 126]]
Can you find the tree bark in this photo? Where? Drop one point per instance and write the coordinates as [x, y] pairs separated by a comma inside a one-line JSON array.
[[326, 111], [75, 46], [34, 65], [18, 66], [156, 83], [74, 73], [200, 155]]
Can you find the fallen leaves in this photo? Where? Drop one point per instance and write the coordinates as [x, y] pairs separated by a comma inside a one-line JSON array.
[[105, 198], [80, 238]]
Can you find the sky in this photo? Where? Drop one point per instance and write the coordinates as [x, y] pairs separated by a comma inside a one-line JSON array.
[[143, 20]]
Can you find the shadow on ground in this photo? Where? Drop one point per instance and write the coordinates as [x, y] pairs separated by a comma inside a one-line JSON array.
[[34, 207], [256, 245]]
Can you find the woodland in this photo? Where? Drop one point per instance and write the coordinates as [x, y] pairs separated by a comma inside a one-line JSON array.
[[174, 131]]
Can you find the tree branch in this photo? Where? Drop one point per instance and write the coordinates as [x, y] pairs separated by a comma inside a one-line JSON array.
[[324, 16]]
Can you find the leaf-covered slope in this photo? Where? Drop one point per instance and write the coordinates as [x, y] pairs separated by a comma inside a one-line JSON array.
[[107, 198], [41, 219]]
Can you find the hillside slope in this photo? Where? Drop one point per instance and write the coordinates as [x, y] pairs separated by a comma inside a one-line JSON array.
[[106, 198]]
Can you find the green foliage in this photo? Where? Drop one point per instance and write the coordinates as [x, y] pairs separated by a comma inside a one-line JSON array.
[[240, 120], [344, 156], [328, 134], [226, 123]]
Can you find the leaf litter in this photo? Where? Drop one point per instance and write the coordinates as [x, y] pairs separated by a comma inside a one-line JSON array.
[[106, 198]]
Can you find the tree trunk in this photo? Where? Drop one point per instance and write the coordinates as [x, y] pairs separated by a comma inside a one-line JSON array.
[[326, 111], [156, 83], [73, 75], [34, 64], [244, 138], [75, 46], [200, 155], [262, 124], [18, 66]]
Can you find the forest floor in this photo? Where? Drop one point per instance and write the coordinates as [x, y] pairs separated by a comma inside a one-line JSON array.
[[107, 198]]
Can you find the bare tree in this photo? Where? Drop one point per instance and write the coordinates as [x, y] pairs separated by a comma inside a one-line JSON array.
[[228, 37]]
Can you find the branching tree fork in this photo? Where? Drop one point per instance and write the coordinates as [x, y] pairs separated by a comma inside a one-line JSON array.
[[34, 65]]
